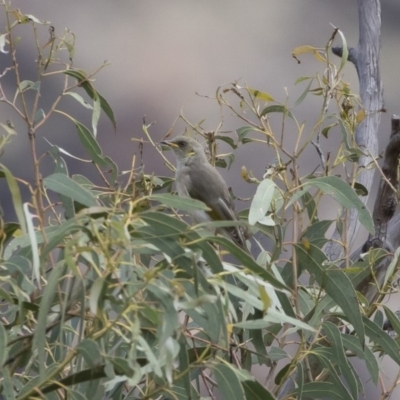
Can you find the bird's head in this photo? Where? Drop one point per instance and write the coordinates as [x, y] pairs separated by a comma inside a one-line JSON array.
[[185, 148]]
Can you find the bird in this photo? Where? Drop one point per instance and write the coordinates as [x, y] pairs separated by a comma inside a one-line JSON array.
[[196, 178]]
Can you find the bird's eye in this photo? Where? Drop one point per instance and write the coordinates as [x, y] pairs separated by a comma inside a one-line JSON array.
[[181, 144]]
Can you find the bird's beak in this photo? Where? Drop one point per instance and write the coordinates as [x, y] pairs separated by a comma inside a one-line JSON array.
[[169, 144]]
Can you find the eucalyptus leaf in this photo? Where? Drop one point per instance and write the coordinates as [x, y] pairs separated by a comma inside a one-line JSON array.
[[228, 382], [181, 203], [336, 284], [255, 391], [261, 202], [345, 195], [62, 184]]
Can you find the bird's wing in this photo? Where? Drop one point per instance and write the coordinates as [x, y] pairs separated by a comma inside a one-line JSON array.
[[207, 185]]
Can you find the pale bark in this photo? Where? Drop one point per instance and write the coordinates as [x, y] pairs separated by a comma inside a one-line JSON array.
[[365, 57]]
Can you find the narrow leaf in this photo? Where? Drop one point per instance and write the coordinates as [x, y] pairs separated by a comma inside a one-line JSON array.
[[95, 114], [228, 382], [353, 344], [248, 261], [3, 344], [94, 150], [88, 87], [261, 95], [64, 185], [79, 99], [345, 50], [39, 336], [276, 109], [15, 195], [181, 203], [261, 201], [304, 94], [345, 195], [35, 250], [255, 391], [381, 338], [317, 390], [335, 340], [95, 294], [3, 42], [336, 284]]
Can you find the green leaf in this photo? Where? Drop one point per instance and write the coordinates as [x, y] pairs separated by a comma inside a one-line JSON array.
[[391, 268], [57, 233], [39, 116], [248, 261], [15, 195], [3, 43], [39, 336], [300, 379], [94, 150], [317, 390], [92, 93], [90, 351], [79, 99], [393, 318], [243, 131], [29, 85], [325, 358], [8, 385], [261, 202], [302, 78], [61, 167], [86, 375], [271, 317], [261, 95], [317, 230], [276, 109], [3, 344], [360, 189], [276, 353], [184, 368], [10, 131], [181, 203], [304, 94], [96, 294], [32, 18], [345, 195], [62, 184], [170, 319], [308, 202], [255, 391], [335, 340], [326, 130], [355, 153], [381, 338], [345, 51], [228, 382], [174, 227], [228, 140], [34, 247], [95, 114], [151, 357], [336, 284], [353, 344]]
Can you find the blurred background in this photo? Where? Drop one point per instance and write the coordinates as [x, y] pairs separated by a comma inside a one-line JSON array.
[[167, 57]]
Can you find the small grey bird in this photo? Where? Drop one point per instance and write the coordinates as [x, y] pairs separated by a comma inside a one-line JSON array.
[[197, 178]]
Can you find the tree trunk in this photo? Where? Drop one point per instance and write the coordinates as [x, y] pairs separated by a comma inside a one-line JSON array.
[[365, 57]]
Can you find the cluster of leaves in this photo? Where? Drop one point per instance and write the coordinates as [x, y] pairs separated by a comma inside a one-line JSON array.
[[116, 297]]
